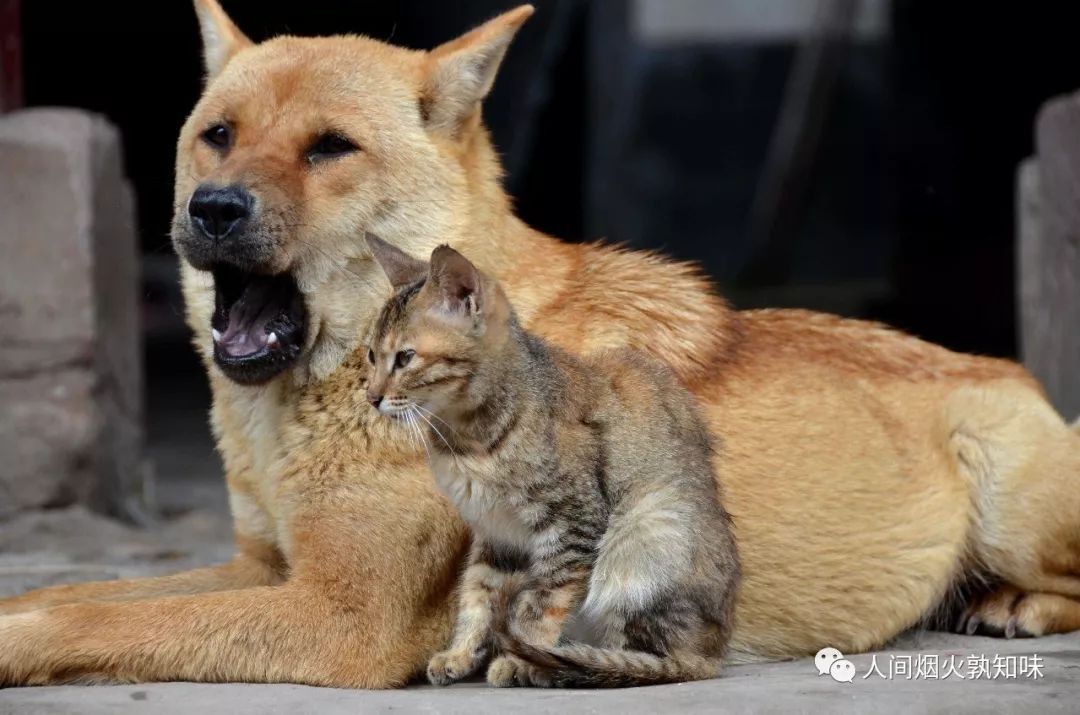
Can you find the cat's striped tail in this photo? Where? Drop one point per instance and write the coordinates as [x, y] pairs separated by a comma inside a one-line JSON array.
[[576, 665], [584, 666]]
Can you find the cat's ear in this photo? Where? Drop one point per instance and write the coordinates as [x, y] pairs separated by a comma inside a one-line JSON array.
[[401, 268], [458, 282]]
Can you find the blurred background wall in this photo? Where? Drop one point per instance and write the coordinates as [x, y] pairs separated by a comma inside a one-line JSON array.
[[855, 156]]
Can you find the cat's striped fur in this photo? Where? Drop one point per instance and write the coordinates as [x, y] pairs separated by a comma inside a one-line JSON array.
[[598, 531]]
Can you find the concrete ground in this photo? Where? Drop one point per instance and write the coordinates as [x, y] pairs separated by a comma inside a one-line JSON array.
[[72, 545], [778, 687]]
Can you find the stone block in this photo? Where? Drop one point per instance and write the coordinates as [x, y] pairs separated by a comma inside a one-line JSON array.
[[70, 336], [1048, 253]]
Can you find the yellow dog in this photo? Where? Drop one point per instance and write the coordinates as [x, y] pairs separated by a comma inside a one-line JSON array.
[[869, 474]]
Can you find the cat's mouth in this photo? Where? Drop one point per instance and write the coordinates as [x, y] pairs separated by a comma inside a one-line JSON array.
[[258, 324]]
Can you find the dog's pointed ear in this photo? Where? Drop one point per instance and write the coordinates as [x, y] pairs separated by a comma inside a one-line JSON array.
[[458, 282], [221, 37], [461, 72], [401, 268]]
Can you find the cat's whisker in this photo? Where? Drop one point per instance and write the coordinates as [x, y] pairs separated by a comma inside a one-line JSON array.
[[415, 428], [406, 418], [436, 431], [434, 416], [411, 415]]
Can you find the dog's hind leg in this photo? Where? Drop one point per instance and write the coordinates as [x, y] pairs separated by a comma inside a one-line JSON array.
[[1023, 463], [1010, 612]]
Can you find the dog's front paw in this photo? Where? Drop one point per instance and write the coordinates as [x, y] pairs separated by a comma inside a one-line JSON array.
[[451, 666]]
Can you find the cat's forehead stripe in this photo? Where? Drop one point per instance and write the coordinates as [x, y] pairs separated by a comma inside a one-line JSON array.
[[395, 309]]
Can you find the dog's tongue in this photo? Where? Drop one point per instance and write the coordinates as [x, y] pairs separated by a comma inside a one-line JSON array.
[[245, 334], [246, 331]]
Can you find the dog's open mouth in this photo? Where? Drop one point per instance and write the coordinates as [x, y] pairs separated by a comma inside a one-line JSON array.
[[258, 324]]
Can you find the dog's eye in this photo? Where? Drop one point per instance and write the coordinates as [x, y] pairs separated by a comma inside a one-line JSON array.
[[403, 357], [218, 136], [329, 146]]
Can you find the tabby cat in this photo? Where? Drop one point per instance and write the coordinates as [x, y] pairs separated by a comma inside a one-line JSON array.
[[601, 554]]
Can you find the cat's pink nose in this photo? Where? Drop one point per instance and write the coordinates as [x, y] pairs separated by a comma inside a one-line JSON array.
[[375, 400]]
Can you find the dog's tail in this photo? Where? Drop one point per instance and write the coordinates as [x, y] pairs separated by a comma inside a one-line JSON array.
[[582, 666]]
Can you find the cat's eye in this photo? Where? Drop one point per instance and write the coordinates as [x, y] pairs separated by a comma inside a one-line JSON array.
[[403, 357], [371, 356]]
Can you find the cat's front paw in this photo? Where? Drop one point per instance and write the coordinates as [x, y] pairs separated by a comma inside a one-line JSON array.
[[451, 666], [508, 670]]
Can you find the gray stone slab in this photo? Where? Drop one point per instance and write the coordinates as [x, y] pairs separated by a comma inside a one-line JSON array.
[[48, 426], [1048, 253], [69, 303]]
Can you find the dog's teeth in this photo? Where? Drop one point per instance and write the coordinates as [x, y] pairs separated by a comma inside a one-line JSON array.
[[217, 334], [272, 339]]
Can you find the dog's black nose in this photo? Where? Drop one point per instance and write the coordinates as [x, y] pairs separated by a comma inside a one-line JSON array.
[[220, 211]]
